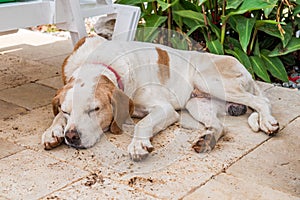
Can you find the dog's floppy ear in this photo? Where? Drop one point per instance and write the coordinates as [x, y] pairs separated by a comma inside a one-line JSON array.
[[60, 95], [56, 102], [123, 108]]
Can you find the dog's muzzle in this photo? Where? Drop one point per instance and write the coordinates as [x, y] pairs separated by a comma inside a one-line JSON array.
[[72, 138]]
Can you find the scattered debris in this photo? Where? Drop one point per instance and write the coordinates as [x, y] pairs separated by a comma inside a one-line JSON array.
[[94, 178]]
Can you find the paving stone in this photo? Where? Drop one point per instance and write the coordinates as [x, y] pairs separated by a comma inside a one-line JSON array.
[[33, 45], [26, 129], [30, 175], [9, 109], [15, 71], [227, 187], [9, 76], [24, 36], [172, 180], [97, 187], [175, 180], [171, 171], [3, 198], [264, 86], [56, 61], [166, 165], [54, 82], [8, 148], [29, 96], [275, 164], [161, 173], [285, 104], [238, 140], [36, 70], [36, 53]]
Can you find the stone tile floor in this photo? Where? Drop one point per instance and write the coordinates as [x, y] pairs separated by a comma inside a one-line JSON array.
[[244, 165]]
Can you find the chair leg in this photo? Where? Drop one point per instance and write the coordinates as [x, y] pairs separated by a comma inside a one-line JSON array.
[[126, 22], [74, 21]]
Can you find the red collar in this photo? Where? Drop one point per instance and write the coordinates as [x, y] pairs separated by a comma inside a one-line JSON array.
[[118, 77]]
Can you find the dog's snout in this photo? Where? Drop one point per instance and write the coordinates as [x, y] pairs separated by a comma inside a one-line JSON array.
[[73, 137]]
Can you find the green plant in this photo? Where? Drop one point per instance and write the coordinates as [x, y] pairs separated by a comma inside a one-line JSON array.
[[259, 33]]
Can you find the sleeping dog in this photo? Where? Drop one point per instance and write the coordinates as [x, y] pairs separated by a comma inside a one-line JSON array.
[[106, 82]]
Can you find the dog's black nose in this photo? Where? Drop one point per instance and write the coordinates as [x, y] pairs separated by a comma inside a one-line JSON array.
[[73, 138]]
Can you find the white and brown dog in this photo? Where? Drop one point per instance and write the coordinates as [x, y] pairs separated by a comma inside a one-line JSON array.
[[106, 81]]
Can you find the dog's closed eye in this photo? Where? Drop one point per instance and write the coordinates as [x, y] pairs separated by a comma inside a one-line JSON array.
[[65, 112], [94, 110]]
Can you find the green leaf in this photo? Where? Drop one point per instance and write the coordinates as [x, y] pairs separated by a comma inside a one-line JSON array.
[[190, 14], [178, 43], [268, 42], [214, 29], [244, 28], [296, 10], [249, 5], [274, 65], [176, 18], [152, 23], [163, 5], [292, 46], [193, 29], [232, 42], [187, 5], [260, 68], [242, 57], [146, 34], [288, 34], [268, 28], [191, 23], [267, 11], [215, 47], [260, 23], [154, 20], [256, 50], [288, 59], [233, 23], [233, 4]]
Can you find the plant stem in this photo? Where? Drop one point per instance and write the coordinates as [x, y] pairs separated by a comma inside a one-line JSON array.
[[216, 11], [252, 42], [143, 7], [169, 23], [154, 4], [205, 22], [224, 19]]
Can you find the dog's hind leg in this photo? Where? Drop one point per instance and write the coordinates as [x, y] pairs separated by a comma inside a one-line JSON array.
[[54, 135], [207, 111], [261, 119]]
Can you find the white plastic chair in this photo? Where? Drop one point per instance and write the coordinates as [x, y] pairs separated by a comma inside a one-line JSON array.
[[68, 15]]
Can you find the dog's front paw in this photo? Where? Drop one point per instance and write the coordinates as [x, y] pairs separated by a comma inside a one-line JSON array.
[[269, 125], [139, 149], [205, 143], [52, 137]]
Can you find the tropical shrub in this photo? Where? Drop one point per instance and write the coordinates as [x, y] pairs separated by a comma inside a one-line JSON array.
[[261, 34]]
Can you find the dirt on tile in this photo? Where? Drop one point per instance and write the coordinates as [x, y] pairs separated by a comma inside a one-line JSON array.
[[15, 71]]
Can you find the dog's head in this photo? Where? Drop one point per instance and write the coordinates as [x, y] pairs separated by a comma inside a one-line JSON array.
[[90, 108]]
